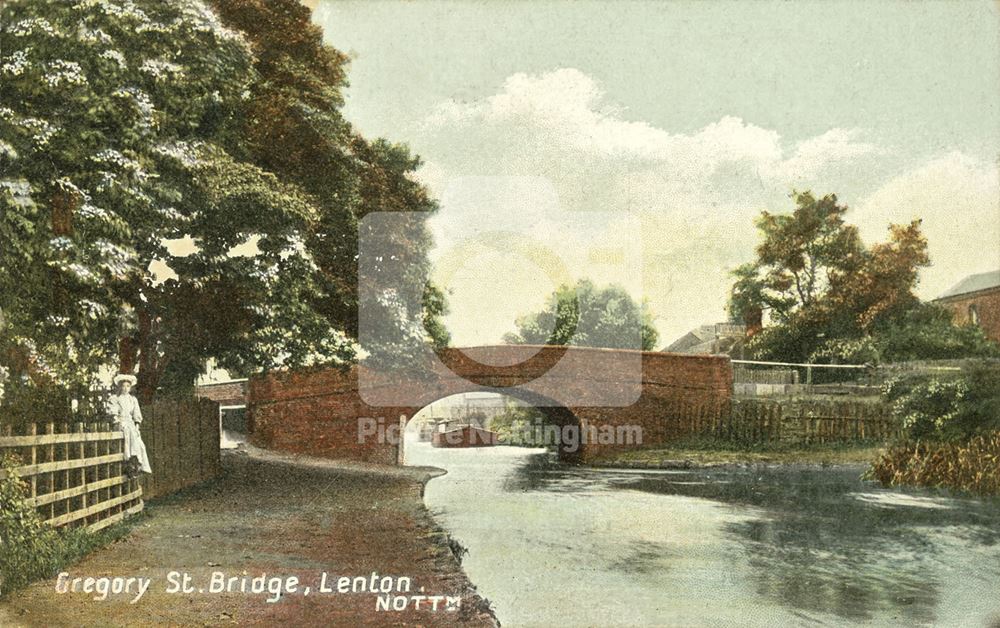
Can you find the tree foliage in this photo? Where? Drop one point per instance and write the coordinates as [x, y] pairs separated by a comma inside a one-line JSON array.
[[820, 286], [107, 112], [293, 127], [948, 408], [584, 315], [519, 425], [800, 256], [127, 126], [926, 332]]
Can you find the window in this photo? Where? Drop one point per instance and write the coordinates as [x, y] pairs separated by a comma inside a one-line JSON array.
[[973, 315]]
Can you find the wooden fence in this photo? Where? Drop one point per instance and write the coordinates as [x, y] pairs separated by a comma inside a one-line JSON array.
[[800, 421], [75, 471], [182, 439], [746, 375]]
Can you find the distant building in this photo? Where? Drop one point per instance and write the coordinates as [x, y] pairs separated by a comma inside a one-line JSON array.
[[976, 301], [477, 408], [484, 406], [231, 395], [709, 339]]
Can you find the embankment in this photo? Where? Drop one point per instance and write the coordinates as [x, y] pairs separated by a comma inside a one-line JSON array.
[[282, 516]]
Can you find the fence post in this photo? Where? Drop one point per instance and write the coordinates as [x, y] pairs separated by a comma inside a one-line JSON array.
[[34, 460], [82, 452]]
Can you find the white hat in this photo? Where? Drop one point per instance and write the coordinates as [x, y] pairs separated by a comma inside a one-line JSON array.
[[124, 377]]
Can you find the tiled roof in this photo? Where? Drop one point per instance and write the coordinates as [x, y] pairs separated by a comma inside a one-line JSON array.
[[974, 283]]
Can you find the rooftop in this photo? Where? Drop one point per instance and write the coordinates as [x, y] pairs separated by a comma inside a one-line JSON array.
[[974, 283]]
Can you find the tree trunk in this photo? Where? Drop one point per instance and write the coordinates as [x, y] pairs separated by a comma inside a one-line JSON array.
[[140, 350], [149, 372], [63, 205]]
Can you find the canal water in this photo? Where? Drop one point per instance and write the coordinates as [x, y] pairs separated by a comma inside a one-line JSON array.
[[555, 545]]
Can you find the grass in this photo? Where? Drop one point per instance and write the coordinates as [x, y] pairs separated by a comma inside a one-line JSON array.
[[457, 549], [58, 549], [78, 542], [706, 451], [972, 466]]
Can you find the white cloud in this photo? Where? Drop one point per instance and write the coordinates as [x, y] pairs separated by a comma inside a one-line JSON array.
[[958, 199], [539, 121], [811, 156], [696, 193]]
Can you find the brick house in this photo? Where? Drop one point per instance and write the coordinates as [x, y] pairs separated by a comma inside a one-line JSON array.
[[976, 301]]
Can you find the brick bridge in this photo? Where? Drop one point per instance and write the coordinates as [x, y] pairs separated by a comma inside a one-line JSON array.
[[318, 411]]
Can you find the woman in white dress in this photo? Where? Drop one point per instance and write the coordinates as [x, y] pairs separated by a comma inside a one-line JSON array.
[[124, 410]]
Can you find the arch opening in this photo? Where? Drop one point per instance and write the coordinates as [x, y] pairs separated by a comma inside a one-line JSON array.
[[518, 420]]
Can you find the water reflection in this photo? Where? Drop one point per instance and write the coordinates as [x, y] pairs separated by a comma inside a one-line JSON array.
[[703, 547], [831, 544]]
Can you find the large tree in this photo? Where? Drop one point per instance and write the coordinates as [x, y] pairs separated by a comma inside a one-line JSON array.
[[126, 124], [818, 283], [585, 315], [114, 117], [799, 256], [294, 127]]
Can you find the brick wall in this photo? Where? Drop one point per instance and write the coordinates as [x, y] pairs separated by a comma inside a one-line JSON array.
[[987, 305], [317, 411]]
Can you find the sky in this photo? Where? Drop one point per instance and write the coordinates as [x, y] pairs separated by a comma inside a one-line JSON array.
[[634, 142]]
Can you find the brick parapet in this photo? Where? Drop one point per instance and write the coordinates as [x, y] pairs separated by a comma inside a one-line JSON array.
[[317, 410]]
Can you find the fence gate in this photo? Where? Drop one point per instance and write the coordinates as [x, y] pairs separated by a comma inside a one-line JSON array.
[[75, 472]]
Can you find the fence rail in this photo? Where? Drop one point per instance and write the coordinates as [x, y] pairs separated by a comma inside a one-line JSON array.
[[757, 371], [74, 472]]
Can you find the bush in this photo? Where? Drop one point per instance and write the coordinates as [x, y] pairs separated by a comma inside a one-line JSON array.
[[951, 431], [29, 549], [842, 351], [926, 332], [519, 426], [946, 408]]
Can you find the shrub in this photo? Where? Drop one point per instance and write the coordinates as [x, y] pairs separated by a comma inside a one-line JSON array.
[[457, 549], [519, 425], [926, 332], [845, 351], [947, 408], [29, 549]]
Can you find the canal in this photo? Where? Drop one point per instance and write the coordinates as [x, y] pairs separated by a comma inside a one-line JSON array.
[[555, 545]]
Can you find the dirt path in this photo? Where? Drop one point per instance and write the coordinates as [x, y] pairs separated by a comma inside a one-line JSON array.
[[281, 516]]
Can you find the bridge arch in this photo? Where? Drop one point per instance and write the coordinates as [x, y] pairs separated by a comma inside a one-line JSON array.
[[560, 428], [322, 410]]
